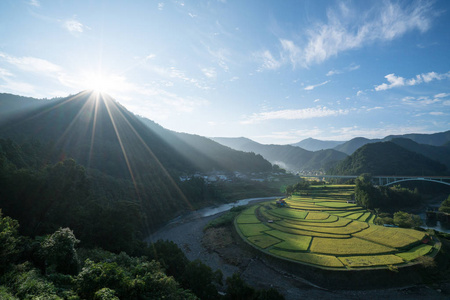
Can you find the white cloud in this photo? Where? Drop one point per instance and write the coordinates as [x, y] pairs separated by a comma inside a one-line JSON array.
[[293, 52], [209, 72], [74, 26], [397, 81], [333, 72], [34, 3], [5, 73], [437, 113], [442, 95], [160, 6], [359, 93], [31, 64], [294, 114], [311, 87], [350, 68], [348, 29], [268, 61], [421, 101]]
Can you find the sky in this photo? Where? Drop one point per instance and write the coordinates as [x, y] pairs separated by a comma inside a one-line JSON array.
[[276, 72]]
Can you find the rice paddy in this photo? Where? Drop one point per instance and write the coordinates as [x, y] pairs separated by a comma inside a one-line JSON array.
[[322, 228]]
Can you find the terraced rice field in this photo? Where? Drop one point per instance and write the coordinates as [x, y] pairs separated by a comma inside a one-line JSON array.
[[322, 229]]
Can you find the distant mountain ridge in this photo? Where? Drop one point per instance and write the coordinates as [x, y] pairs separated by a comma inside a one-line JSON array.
[[348, 147], [388, 158], [311, 144], [294, 159]]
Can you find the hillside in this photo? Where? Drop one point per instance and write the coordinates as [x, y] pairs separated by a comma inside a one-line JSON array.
[[387, 158], [100, 133], [433, 139], [289, 157], [354, 144], [437, 153], [206, 154], [311, 144]]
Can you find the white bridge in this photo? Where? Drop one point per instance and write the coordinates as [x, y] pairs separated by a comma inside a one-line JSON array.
[[389, 180]]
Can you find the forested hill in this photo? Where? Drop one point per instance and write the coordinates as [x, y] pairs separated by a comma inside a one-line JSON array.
[[289, 157], [100, 133], [437, 153], [388, 158]]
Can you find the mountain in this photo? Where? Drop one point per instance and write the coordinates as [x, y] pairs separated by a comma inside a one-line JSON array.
[[311, 144], [206, 154], [101, 134], [437, 153], [292, 158], [387, 158], [434, 139], [352, 145]]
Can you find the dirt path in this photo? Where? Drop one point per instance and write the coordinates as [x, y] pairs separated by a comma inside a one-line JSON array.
[[229, 257]]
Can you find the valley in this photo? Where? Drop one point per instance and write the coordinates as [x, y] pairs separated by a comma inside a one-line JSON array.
[[86, 168]]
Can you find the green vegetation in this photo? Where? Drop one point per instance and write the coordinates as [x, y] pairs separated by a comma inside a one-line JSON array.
[[388, 158], [445, 205], [416, 252], [371, 261], [383, 197], [320, 228]]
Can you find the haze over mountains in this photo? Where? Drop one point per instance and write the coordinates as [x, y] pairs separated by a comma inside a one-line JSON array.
[[348, 147], [100, 133]]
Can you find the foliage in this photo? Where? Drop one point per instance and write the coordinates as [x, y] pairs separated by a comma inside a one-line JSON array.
[[237, 289], [297, 188], [201, 280], [406, 220], [9, 241], [170, 256], [383, 197], [387, 158], [59, 251], [445, 205]]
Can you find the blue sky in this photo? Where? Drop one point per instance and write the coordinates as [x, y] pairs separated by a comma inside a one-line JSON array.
[[273, 71]]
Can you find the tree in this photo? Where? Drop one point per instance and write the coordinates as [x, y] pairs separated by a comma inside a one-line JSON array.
[[200, 278], [445, 205], [406, 220], [59, 251], [9, 241]]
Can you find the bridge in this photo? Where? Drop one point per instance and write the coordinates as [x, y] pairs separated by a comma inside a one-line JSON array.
[[388, 180]]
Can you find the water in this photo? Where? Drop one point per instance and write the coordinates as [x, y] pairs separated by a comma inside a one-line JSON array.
[[213, 210], [434, 224], [210, 211]]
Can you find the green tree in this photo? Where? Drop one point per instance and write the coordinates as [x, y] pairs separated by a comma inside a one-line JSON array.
[[406, 220], [59, 251], [200, 278], [445, 205], [9, 241]]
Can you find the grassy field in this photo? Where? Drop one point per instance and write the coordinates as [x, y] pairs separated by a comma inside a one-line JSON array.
[[320, 228]]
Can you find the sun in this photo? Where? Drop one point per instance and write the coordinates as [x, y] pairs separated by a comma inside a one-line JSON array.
[[99, 83]]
